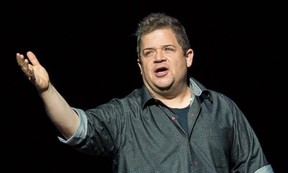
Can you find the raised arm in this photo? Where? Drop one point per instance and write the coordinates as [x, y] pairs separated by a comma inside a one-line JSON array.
[[57, 109]]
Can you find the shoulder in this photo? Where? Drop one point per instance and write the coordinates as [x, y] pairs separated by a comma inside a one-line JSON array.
[[212, 98]]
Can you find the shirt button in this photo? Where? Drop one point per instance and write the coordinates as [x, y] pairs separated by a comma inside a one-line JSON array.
[[194, 163], [173, 118]]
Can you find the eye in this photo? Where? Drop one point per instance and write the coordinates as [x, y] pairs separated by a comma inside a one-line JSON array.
[[169, 49], [148, 53]]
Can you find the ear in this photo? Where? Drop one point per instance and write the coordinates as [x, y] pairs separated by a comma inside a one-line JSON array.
[[189, 57], [139, 65]]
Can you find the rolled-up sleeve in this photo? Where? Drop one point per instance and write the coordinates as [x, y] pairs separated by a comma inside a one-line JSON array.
[[265, 169], [81, 131]]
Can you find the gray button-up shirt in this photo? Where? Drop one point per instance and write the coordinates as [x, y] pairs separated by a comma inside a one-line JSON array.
[[142, 135]]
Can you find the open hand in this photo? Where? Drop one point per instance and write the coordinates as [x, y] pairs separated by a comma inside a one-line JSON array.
[[33, 70]]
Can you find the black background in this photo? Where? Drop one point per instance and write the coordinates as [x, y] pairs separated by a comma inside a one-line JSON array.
[[90, 53]]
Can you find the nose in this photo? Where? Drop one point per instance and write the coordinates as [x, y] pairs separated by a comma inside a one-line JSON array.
[[160, 57]]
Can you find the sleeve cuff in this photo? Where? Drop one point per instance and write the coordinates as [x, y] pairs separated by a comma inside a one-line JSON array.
[[81, 131]]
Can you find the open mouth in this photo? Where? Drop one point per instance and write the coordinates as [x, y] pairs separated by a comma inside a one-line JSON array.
[[162, 71]]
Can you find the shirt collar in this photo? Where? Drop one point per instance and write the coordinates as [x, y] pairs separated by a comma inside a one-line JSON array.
[[147, 98]]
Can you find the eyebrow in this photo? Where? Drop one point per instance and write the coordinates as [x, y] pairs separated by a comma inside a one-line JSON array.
[[167, 45]]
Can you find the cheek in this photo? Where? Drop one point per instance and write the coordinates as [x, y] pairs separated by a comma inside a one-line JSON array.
[[145, 67], [145, 70], [183, 63]]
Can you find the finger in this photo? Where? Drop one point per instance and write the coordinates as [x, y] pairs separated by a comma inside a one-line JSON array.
[[20, 60], [24, 64], [32, 58]]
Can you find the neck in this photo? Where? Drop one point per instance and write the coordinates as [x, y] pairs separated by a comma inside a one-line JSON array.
[[176, 100]]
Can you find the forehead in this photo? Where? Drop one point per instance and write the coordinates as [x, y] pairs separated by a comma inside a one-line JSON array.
[[158, 38]]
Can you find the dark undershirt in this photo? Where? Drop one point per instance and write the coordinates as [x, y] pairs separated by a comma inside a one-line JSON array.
[[182, 116]]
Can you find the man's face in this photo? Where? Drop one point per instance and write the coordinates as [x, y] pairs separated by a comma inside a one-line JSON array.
[[163, 63]]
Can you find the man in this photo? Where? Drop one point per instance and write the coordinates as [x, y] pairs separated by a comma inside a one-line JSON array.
[[172, 124]]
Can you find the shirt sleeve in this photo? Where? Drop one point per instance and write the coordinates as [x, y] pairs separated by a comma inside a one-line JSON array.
[[81, 131], [247, 151], [265, 169]]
